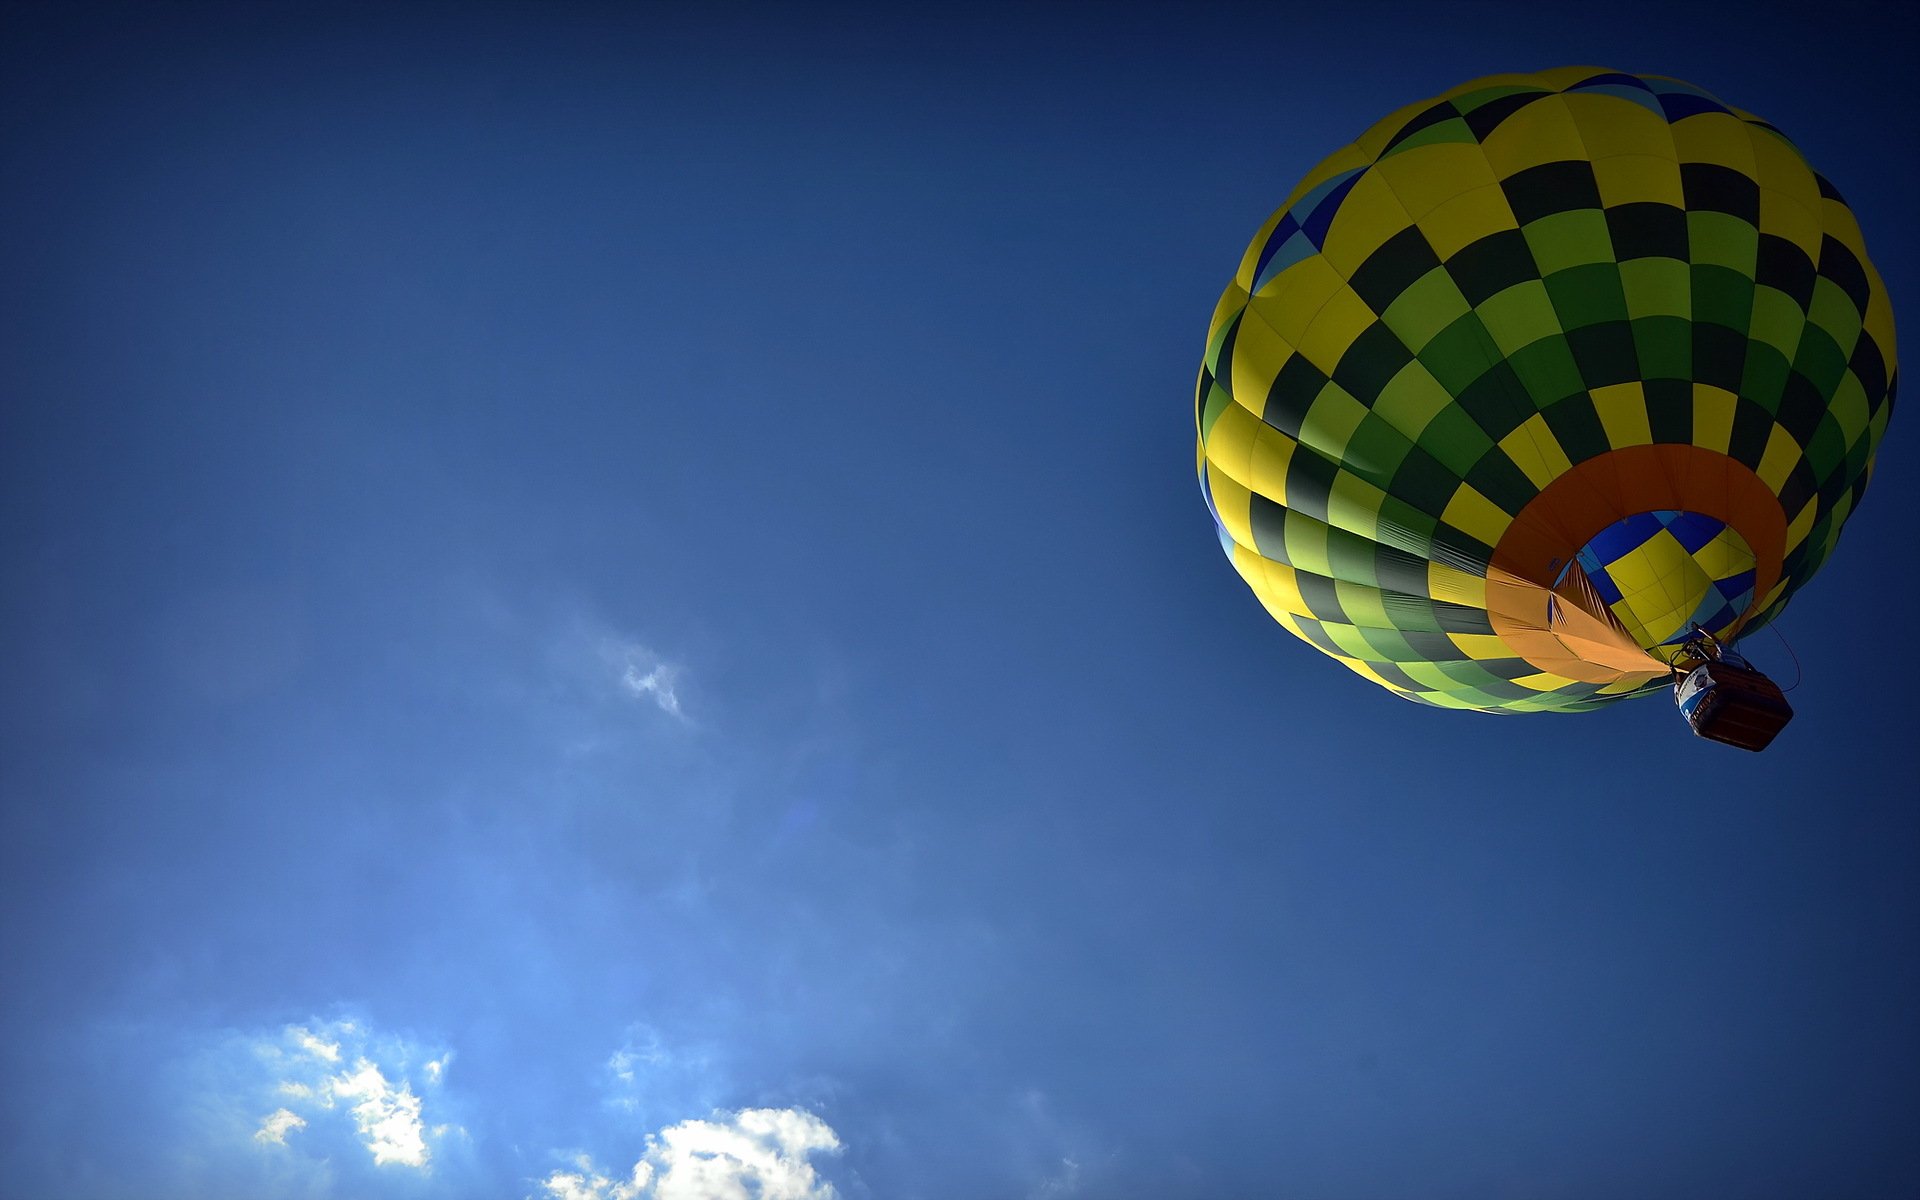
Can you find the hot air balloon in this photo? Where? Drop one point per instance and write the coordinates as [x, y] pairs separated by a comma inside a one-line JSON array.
[[1543, 391]]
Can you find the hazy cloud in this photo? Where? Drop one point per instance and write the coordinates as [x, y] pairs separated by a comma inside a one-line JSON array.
[[759, 1153], [649, 1078], [1065, 1181]]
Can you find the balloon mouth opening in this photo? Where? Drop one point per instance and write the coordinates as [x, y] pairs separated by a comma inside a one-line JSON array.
[[1665, 572]]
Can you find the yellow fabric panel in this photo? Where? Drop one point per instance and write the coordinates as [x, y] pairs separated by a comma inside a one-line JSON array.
[[1790, 196], [1232, 501], [1280, 589], [1293, 298], [1623, 413], [1230, 443], [1258, 354], [1369, 215], [1541, 682], [1639, 569], [1609, 125], [1465, 219], [1542, 132], [1714, 137], [1713, 417], [1640, 178], [1535, 450], [1784, 216], [1781, 455], [1725, 556], [1340, 320], [1425, 178], [1480, 646], [1778, 165], [1838, 220], [1473, 513], [1456, 587], [1802, 525], [1271, 455]]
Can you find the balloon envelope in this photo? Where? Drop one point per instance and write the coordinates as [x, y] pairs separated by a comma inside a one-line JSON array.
[[1537, 376]]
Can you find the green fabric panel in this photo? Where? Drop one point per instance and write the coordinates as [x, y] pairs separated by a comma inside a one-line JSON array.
[[1777, 320], [1657, 287], [1570, 239], [1547, 370], [1764, 376], [1306, 541], [1375, 450], [1723, 240], [1587, 295], [1664, 346], [1722, 296], [1457, 355], [1834, 312], [1520, 316], [1454, 130], [1456, 441], [1427, 306], [1820, 360]]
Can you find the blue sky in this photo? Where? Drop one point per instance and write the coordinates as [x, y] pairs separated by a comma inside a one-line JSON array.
[[611, 602]]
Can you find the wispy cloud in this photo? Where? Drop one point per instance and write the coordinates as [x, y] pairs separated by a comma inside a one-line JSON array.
[[644, 675], [758, 1152]]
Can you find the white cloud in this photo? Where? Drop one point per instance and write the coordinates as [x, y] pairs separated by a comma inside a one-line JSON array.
[[588, 1184], [375, 1090], [754, 1154], [278, 1125], [388, 1117]]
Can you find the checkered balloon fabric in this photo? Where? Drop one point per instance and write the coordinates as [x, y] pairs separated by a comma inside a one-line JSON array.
[[1537, 376]]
